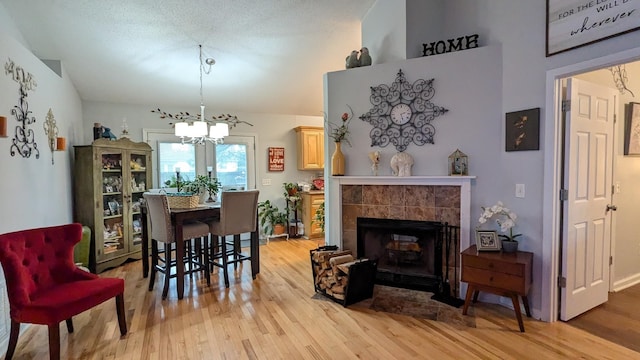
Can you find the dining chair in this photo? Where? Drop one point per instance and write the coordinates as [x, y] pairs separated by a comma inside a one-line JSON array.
[[238, 215], [44, 286], [163, 231]]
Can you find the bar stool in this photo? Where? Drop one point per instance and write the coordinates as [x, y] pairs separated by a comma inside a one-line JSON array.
[[238, 211], [162, 230]]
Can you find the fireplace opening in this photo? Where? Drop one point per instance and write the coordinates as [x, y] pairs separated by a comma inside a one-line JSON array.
[[409, 253]]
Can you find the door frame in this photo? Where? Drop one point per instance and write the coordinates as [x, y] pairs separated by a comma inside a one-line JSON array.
[[552, 178]]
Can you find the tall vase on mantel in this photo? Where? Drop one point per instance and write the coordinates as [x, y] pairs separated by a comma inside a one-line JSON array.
[[337, 161]]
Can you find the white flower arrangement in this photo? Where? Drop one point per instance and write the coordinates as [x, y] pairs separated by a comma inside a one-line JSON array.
[[505, 218]]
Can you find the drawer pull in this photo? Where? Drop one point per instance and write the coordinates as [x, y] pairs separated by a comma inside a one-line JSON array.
[[490, 265], [491, 279]]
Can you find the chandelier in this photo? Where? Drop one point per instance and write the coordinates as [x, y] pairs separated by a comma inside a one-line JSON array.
[[195, 128]]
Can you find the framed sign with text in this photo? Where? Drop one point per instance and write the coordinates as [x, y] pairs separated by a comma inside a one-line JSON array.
[[276, 159], [574, 23]]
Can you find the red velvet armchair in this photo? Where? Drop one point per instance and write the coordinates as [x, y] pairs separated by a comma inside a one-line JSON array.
[[44, 286]]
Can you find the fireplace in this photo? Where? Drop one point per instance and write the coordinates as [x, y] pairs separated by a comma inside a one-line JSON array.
[[409, 252], [441, 199]]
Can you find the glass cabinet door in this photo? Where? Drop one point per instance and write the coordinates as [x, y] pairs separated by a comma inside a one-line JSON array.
[[113, 232], [139, 182]]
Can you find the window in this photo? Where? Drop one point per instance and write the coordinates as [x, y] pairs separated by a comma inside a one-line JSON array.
[[173, 156], [233, 161]]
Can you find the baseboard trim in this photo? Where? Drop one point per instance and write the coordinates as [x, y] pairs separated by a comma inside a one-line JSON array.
[[626, 282]]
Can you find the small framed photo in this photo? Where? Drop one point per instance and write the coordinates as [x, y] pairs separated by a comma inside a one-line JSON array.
[[487, 240], [632, 129], [522, 130], [113, 207]]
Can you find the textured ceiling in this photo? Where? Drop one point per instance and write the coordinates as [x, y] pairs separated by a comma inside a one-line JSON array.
[[270, 55]]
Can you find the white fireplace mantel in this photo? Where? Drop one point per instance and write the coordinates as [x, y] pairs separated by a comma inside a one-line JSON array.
[[333, 199], [403, 180]]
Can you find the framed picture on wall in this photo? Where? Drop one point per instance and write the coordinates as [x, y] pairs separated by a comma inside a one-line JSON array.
[[575, 23], [522, 130], [632, 129], [276, 158]]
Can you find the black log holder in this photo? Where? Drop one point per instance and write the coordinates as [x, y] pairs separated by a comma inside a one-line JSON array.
[[360, 277]]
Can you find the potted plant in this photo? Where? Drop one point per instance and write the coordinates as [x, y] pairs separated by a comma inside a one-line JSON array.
[[318, 217], [272, 220], [201, 185], [506, 220], [290, 189]]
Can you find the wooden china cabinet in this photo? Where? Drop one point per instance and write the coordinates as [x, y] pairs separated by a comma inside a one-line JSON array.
[[109, 179]]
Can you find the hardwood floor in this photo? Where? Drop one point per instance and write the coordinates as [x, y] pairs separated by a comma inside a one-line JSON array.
[[617, 320], [275, 317]]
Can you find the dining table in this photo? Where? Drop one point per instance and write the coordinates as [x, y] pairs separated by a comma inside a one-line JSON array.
[[207, 211]]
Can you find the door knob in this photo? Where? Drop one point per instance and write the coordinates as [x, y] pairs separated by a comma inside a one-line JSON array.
[[612, 207]]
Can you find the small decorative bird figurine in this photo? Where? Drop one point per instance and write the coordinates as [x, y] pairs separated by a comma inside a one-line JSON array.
[[352, 60], [365, 58]]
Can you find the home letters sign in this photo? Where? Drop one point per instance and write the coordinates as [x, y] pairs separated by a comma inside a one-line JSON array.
[[446, 46], [574, 23], [276, 159]]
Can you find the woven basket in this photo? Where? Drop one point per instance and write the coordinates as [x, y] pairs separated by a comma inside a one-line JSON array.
[[183, 201]]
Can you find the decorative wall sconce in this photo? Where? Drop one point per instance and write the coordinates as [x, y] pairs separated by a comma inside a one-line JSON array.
[[3, 126], [24, 139], [51, 130]]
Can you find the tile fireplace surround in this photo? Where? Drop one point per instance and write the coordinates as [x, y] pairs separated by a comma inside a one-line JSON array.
[[430, 198]]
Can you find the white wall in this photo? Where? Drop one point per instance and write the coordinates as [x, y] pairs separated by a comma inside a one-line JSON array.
[[424, 24], [269, 129], [384, 31], [34, 192]]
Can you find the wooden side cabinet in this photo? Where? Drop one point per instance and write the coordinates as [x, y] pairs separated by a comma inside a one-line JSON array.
[[310, 147], [504, 274], [311, 201]]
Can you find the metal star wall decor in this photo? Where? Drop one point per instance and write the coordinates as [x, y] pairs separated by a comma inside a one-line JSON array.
[[402, 113]]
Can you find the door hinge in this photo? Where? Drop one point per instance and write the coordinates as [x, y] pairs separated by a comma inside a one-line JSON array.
[[566, 105], [610, 260], [562, 282], [615, 118], [564, 194]]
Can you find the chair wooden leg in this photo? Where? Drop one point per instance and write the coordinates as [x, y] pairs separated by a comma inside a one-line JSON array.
[[223, 243], [167, 271], [236, 250], [69, 322], [54, 342], [122, 322], [13, 339], [214, 248], [154, 264], [188, 253], [205, 260]]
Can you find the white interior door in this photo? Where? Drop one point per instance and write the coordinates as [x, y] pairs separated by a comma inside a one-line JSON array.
[[588, 170]]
